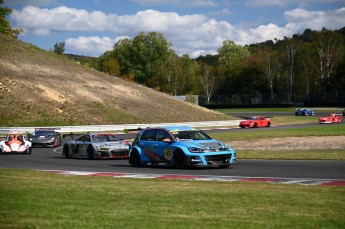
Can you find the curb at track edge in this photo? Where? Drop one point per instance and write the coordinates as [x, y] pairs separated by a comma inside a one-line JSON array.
[[274, 180]]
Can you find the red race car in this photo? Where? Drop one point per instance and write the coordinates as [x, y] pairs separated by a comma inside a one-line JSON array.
[[332, 118], [256, 121]]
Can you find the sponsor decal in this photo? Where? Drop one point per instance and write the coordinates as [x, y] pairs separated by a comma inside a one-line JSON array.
[[168, 153], [152, 155]]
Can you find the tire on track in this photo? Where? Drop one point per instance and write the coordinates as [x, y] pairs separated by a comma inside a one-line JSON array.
[[90, 152], [134, 159], [66, 151], [179, 159]]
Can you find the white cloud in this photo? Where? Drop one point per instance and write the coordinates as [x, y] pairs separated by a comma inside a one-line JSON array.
[[266, 32], [192, 34], [223, 11], [92, 46], [61, 19], [196, 31], [185, 3], [202, 3], [41, 32], [300, 19], [285, 3], [267, 3], [29, 2]]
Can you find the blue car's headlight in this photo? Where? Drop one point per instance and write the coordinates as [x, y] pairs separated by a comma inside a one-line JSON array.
[[196, 150], [224, 146]]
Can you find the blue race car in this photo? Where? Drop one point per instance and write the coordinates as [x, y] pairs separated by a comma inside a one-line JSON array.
[[180, 146], [304, 112]]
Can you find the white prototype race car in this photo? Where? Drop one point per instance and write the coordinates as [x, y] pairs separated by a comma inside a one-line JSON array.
[[15, 143]]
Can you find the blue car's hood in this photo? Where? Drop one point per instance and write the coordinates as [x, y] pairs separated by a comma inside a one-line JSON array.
[[204, 144]]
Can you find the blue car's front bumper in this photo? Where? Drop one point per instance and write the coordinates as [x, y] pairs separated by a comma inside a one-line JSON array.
[[207, 159]]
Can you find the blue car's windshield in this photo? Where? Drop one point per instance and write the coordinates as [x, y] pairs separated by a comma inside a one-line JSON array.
[[190, 135]]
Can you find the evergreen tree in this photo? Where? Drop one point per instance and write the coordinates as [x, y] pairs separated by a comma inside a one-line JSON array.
[[59, 48]]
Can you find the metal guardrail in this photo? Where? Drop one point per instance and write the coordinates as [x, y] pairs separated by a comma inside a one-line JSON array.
[[122, 127]]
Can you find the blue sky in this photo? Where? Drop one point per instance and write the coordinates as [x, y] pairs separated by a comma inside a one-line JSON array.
[[194, 27]]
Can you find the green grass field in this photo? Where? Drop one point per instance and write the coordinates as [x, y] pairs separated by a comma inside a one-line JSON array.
[[33, 199], [291, 154]]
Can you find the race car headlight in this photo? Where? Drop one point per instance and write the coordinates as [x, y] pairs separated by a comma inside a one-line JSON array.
[[196, 150], [223, 146], [102, 148]]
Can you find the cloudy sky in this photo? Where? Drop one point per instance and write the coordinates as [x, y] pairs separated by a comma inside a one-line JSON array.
[[194, 27]]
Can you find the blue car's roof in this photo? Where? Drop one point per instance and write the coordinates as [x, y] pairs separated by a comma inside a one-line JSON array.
[[178, 128]]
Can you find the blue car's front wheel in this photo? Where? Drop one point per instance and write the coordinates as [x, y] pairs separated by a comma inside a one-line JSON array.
[[134, 159], [179, 159]]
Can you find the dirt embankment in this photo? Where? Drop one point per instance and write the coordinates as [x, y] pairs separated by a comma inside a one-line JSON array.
[[41, 88], [292, 143]]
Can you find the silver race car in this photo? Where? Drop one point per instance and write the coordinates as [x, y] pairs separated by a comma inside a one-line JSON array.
[[92, 146]]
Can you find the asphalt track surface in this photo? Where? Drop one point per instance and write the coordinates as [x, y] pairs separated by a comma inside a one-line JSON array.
[[51, 159]]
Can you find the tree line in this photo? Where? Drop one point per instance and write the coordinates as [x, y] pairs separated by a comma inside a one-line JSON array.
[[306, 64]]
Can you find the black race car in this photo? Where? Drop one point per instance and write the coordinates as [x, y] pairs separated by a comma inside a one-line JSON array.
[[45, 137]]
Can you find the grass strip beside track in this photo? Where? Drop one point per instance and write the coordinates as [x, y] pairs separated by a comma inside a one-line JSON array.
[[33, 199], [277, 109], [320, 130], [292, 120], [291, 154]]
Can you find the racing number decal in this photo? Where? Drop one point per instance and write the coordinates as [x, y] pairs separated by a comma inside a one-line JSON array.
[[167, 153]]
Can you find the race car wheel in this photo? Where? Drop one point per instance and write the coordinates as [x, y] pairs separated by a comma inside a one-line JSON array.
[[66, 151], [28, 151], [179, 159], [255, 125], [90, 152], [134, 159], [268, 124]]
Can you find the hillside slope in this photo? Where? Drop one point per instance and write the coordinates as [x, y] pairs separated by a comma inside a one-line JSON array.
[[40, 88]]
